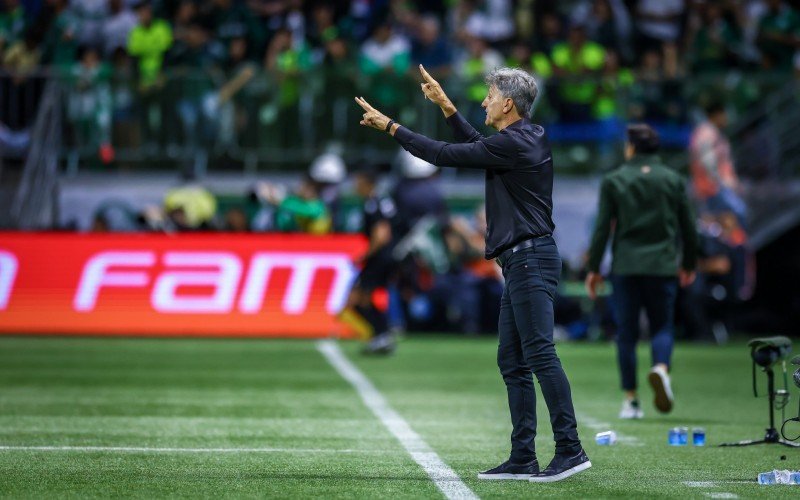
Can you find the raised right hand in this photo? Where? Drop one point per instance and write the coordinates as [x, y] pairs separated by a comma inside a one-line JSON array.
[[433, 90]]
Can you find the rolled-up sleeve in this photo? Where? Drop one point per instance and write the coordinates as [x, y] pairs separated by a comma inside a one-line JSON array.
[[497, 152]]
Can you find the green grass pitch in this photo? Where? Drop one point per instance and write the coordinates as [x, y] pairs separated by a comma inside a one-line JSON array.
[[322, 441]]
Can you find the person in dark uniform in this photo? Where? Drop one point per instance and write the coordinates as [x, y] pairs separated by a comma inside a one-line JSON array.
[[519, 184], [648, 205], [378, 268]]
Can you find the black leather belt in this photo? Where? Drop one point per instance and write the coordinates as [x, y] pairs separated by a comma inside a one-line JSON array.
[[522, 245]]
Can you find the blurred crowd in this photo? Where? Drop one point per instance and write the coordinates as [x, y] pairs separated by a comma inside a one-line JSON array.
[[198, 74], [440, 279], [192, 73]]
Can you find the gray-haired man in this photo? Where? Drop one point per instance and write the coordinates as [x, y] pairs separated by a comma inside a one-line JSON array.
[[519, 185]]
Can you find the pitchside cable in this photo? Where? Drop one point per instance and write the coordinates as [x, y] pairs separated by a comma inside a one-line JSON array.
[[440, 473]]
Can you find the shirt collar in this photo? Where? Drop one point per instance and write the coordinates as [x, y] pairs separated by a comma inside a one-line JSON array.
[[518, 123], [639, 160]]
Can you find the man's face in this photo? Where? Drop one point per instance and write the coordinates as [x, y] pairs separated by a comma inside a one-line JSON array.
[[493, 104]]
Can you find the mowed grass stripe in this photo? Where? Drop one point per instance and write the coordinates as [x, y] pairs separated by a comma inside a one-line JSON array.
[[163, 393], [451, 392], [442, 475], [141, 449]]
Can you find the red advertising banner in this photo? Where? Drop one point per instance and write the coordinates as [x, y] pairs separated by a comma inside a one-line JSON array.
[[202, 284]]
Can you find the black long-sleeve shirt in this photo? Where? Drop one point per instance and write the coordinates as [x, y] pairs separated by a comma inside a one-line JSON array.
[[519, 175]]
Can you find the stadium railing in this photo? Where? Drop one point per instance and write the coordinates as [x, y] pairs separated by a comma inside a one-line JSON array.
[[191, 120]]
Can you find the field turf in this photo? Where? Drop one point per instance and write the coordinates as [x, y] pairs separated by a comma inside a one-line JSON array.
[[89, 417]]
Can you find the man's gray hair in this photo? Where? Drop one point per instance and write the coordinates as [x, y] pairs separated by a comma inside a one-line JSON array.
[[517, 85]]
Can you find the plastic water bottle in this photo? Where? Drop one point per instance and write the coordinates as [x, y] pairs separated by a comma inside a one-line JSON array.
[[674, 436], [606, 438], [767, 478], [779, 477], [699, 436], [683, 435]]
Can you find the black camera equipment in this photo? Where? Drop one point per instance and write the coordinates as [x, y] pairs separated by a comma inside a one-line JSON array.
[[766, 352], [796, 377]]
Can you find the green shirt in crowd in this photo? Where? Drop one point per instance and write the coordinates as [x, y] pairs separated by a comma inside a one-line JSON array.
[[148, 44], [648, 203], [298, 214]]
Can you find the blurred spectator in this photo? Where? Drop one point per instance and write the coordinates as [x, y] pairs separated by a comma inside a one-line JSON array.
[[236, 221], [60, 44], [117, 26], [190, 207], [148, 42], [185, 208], [430, 48], [470, 291], [417, 194], [22, 57], [89, 100], [779, 36], [520, 56], [714, 43], [614, 80], [323, 28], [230, 21], [328, 171], [12, 23], [658, 23], [90, 16], [724, 278], [573, 59], [550, 33], [385, 59], [286, 65], [197, 112], [714, 179], [490, 20], [339, 73], [656, 94], [302, 211], [608, 23], [479, 61]]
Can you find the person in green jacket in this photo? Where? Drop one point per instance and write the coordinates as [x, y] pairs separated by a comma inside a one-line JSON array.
[[148, 42], [303, 211], [646, 204]]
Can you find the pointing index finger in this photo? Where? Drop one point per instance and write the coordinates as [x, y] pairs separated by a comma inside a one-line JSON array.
[[428, 78]]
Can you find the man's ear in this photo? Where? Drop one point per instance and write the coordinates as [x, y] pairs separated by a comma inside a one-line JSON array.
[[508, 105]]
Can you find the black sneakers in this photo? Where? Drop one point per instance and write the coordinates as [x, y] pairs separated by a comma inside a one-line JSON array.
[[508, 470], [562, 466]]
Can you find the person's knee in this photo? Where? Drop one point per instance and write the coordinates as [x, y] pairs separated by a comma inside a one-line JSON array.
[[543, 359], [511, 367]]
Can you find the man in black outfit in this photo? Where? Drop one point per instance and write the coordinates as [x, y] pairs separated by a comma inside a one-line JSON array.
[[378, 268], [519, 184]]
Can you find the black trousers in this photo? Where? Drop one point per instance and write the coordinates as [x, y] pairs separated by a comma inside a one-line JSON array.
[[526, 346], [657, 295]]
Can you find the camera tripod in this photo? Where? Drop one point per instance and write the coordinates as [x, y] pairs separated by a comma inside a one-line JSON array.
[[772, 435]]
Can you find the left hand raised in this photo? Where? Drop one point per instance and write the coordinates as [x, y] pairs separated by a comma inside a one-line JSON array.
[[372, 117]]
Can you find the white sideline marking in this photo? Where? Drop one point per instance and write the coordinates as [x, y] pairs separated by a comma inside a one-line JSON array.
[[144, 449], [442, 475], [700, 484], [721, 495]]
